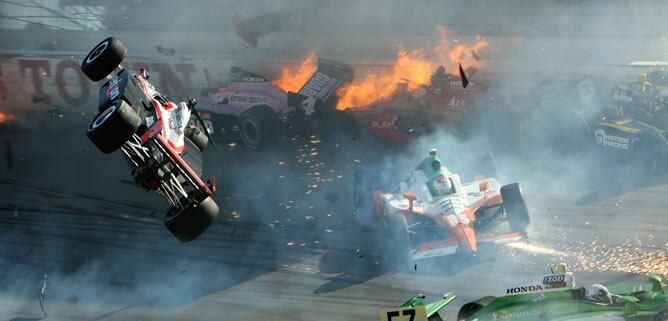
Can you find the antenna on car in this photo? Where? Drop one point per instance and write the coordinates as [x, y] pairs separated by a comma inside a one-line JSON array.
[[191, 103]]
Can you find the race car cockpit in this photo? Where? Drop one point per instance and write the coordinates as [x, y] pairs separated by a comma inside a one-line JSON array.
[[598, 293], [441, 186]]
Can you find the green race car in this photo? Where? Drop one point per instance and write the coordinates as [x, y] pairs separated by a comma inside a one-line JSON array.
[[554, 299], [417, 309]]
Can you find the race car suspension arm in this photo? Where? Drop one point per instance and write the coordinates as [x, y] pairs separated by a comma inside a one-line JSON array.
[[173, 190], [135, 152], [191, 178]]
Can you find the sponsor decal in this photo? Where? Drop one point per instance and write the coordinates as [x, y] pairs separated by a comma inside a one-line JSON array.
[[113, 89], [250, 99], [613, 141], [319, 86], [150, 120], [176, 121], [513, 315], [308, 105], [555, 281], [254, 79], [524, 289], [456, 104], [384, 123], [622, 95], [416, 313]]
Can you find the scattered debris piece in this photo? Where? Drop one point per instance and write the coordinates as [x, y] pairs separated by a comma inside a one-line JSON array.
[[251, 29], [42, 296], [165, 51], [462, 75]]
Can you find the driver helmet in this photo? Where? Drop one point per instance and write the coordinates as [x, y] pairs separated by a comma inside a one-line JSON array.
[[644, 82], [598, 293], [441, 185]]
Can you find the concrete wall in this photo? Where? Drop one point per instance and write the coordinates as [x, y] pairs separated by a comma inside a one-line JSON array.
[[531, 40]]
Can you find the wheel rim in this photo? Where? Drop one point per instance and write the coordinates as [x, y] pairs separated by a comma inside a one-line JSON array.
[[250, 133], [103, 117], [95, 53]]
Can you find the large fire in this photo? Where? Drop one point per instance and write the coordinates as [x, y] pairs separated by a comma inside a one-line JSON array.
[[290, 81], [413, 67]]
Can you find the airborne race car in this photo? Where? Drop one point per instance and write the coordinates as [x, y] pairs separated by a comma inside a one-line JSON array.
[[161, 144], [420, 224], [555, 298], [253, 108]]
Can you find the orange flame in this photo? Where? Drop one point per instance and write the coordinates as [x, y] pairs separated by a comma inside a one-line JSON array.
[[412, 67], [294, 81], [5, 117]]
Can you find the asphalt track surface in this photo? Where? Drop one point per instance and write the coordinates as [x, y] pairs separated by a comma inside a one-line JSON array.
[[282, 248]]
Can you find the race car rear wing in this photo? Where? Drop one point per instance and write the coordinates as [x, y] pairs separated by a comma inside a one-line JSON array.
[[322, 85]]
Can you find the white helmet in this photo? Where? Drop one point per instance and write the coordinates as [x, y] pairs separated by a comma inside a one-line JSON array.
[[442, 185], [598, 293]]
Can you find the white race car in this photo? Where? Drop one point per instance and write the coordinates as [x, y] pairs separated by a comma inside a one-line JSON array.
[[421, 221], [157, 137]]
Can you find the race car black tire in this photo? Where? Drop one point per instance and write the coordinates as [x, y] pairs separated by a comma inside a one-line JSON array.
[[396, 243], [198, 137], [661, 316], [103, 59], [112, 127], [515, 207], [471, 308], [259, 127], [190, 222]]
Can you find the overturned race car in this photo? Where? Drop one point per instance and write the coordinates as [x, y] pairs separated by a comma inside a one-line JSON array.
[[161, 143]]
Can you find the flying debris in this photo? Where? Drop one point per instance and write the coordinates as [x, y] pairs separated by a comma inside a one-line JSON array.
[[462, 75], [251, 29], [165, 51], [42, 295]]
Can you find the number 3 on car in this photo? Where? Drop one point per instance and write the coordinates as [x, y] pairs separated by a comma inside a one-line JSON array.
[[418, 313]]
